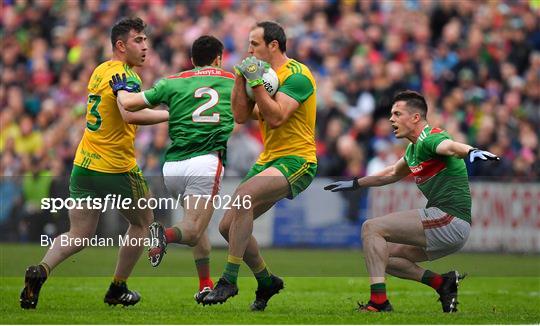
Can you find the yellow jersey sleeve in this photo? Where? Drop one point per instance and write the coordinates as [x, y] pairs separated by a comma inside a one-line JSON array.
[[108, 143], [297, 135]]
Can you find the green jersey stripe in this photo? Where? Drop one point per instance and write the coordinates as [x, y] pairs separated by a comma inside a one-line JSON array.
[[298, 66], [289, 66]]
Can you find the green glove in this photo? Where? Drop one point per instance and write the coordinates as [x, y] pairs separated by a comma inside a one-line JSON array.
[[238, 69], [253, 69]]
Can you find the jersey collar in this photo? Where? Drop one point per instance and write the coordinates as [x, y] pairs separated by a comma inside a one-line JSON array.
[[423, 132]]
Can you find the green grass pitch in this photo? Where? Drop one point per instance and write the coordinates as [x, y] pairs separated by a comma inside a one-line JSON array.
[[321, 287]]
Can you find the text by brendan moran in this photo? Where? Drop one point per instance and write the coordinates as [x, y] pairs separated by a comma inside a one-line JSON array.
[[122, 240]]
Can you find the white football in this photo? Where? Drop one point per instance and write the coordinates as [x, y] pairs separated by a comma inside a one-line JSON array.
[[271, 84]]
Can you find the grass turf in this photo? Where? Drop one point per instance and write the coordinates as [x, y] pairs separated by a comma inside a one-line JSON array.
[[321, 287]]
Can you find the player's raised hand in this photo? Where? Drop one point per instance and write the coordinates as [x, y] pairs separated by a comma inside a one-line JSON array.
[[343, 185], [253, 69], [118, 83], [237, 71], [476, 154], [240, 68]]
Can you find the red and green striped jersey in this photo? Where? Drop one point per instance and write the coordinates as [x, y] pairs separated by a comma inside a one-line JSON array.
[[442, 179], [200, 116]]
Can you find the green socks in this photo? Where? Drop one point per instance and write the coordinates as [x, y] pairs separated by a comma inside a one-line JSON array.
[[231, 269]]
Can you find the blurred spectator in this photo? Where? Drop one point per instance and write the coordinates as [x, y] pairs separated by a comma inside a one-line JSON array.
[[384, 157], [28, 140]]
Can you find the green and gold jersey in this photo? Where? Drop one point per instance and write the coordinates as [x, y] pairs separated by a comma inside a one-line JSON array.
[[108, 143], [297, 135], [200, 115], [442, 179]]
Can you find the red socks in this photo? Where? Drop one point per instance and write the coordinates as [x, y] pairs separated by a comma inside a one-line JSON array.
[[173, 235], [378, 293], [203, 270], [432, 279]]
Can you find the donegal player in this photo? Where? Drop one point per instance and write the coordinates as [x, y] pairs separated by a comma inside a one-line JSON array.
[[288, 163], [105, 164], [396, 242], [200, 124]]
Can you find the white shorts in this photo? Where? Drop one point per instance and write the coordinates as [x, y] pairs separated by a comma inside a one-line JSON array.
[[200, 175], [445, 234]]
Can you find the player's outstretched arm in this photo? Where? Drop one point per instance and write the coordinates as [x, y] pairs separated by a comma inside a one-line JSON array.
[[144, 116], [128, 95], [131, 102], [453, 148], [138, 114], [132, 105], [388, 175]]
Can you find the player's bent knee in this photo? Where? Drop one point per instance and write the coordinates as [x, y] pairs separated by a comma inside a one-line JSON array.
[[371, 227], [247, 193], [224, 230], [367, 228]]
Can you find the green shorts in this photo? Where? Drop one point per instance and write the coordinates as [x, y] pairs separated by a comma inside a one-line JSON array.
[[298, 172], [89, 183]]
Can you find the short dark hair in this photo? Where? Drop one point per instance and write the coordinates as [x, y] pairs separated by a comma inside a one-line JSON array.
[[122, 28], [273, 31], [413, 100], [206, 49]]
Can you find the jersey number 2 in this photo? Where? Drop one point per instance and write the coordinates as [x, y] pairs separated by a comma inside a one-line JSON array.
[[213, 101], [94, 100]]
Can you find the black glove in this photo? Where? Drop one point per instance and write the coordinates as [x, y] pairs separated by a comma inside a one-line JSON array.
[[118, 83], [343, 185], [476, 154]]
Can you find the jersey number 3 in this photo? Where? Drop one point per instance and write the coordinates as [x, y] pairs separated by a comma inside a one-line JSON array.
[[94, 100], [197, 115]]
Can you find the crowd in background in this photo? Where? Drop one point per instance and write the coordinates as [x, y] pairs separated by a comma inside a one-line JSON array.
[[476, 62]]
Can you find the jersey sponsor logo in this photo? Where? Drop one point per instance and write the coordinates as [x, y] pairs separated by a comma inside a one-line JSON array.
[[96, 82], [90, 155], [203, 73], [426, 170]]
